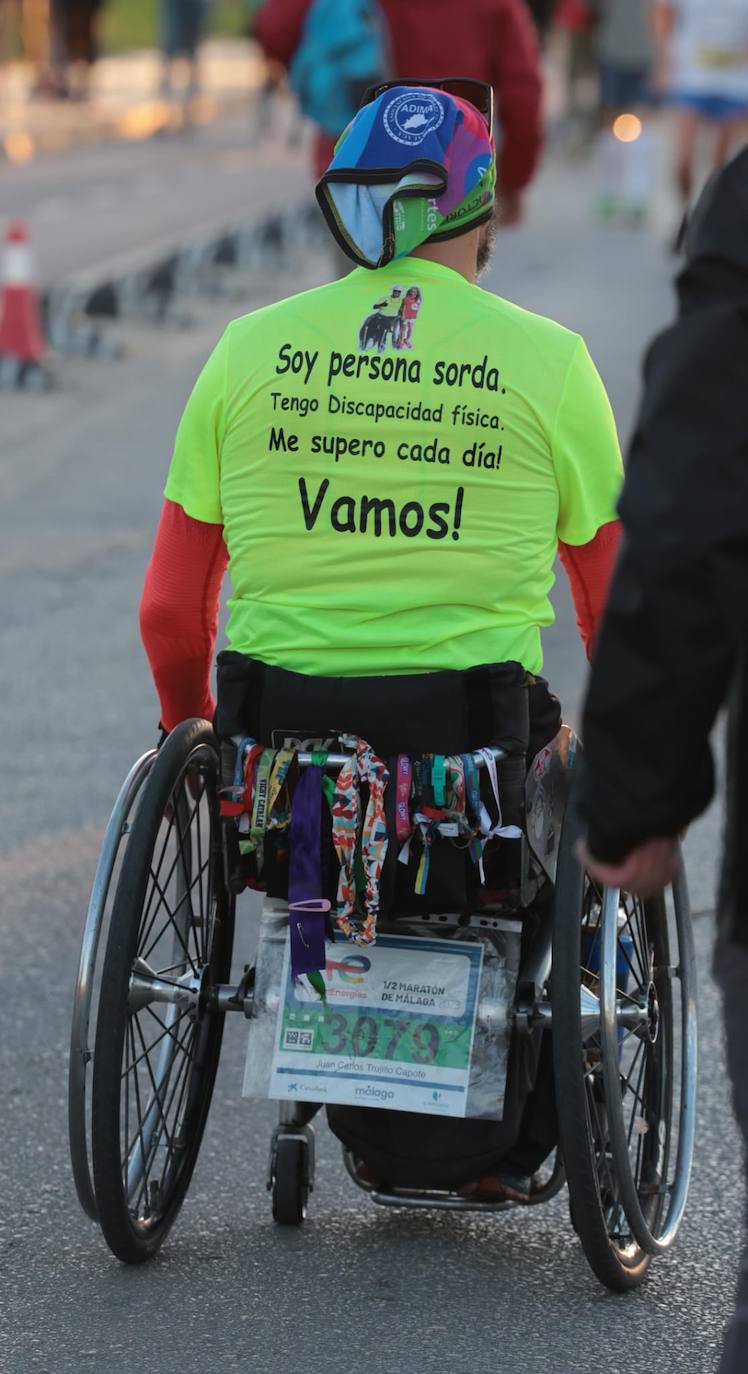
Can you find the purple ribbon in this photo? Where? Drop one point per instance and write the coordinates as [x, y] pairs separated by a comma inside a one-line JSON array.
[[307, 907]]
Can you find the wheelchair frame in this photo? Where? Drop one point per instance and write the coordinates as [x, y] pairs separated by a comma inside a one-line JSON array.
[[650, 1215]]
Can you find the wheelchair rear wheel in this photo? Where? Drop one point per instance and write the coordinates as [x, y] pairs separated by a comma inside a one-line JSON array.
[[625, 1066], [158, 1033]]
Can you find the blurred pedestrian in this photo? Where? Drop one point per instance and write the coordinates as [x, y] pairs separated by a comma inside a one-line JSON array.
[[6, 30], [490, 40], [579, 19], [625, 52], [38, 35], [674, 644], [75, 46], [542, 12], [271, 92], [183, 26], [702, 67]]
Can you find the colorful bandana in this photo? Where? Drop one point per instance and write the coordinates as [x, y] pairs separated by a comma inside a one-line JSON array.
[[414, 165]]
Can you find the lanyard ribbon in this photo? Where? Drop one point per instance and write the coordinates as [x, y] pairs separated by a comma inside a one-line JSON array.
[[439, 780], [472, 790], [506, 832], [448, 816], [403, 786], [306, 905], [278, 777], [362, 766], [232, 799], [259, 803]]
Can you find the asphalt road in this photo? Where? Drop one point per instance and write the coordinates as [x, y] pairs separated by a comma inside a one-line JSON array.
[[357, 1289], [100, 202]]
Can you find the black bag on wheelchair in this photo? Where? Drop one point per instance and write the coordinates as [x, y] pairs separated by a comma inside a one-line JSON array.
[[408, 1150]]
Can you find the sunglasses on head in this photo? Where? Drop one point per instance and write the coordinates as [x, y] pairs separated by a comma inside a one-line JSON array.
[[479, 94]]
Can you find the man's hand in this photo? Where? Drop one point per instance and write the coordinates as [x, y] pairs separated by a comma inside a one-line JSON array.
[[509, 210], [645, 871]]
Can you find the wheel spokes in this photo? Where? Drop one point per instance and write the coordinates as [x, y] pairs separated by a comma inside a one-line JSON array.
[[172, 921], [175, 938], [160, 887], [185, 913], [155, 1127]]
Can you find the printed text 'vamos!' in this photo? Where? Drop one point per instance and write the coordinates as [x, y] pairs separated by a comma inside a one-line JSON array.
[[380, 515]]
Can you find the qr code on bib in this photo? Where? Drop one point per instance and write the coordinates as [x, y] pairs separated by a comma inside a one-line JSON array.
[[298, 1040]]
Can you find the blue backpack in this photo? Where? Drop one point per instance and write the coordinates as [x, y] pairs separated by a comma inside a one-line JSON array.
[[343, 50]]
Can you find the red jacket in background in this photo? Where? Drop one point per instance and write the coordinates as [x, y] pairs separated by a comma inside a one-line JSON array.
[[491, 40], [577, 15]]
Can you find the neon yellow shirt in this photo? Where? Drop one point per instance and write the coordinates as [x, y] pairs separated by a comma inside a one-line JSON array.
[[392, 499]]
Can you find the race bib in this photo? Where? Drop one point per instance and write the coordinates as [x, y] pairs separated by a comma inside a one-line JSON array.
[[396, 1030]]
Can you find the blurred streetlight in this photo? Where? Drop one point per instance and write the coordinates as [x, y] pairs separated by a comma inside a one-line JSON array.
[[627, 128], [18, 146]]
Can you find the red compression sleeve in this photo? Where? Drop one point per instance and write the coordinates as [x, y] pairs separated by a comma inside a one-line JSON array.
[[179, 612], [589, 568]]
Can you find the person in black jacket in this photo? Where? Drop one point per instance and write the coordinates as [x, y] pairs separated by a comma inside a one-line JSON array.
[[674, 643]]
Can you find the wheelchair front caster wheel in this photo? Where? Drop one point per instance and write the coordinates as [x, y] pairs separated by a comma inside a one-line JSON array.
[[291, 1179]]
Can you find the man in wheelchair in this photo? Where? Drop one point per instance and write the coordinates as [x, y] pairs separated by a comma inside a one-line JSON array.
[[390, 526]]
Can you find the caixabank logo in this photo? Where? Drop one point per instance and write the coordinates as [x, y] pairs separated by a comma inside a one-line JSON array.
[[410, 118]]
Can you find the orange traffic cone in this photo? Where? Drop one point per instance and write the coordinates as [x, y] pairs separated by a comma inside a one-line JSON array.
[[21, 336]]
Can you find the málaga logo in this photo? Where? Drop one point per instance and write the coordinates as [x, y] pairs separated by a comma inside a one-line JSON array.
[[409, 118]]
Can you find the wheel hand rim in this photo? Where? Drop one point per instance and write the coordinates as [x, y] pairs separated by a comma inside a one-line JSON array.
[[80, 1053], [651, 1241]]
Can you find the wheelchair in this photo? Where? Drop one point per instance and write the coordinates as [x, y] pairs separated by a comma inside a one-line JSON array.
[[609, 977], [378, 330]]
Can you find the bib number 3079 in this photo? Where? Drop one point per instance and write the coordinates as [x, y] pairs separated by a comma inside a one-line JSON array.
[[367, 1037]]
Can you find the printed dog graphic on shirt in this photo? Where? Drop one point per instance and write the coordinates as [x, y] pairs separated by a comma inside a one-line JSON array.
[[392, 320]]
